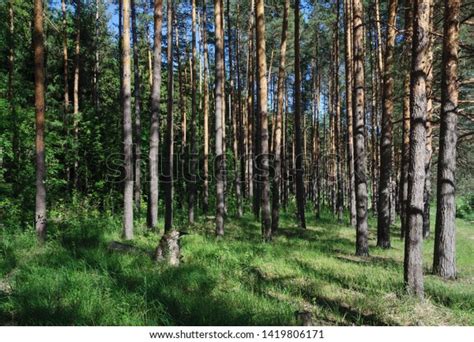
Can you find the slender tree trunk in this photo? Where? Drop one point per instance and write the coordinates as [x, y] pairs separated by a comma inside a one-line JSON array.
[[219, 108], [182, 106], [65, 58], [233, 112], [337, 126], [168, 172], [349, 89], [360, 159], [138, 100], [262, 113], [429, 129], [148, 50], [406, 118], [444, 262], [127, 127], [318, 145], [386, 162], [206, 111], [240, 122], [375, 73], [192, 138], [413, 242], [10, 96], [250, 104], [38, 46], [300, 196], [155, 117], [77, 62], [278, 121], [95, 91]]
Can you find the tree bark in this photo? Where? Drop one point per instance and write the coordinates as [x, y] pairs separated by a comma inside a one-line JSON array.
[[300, 193], [155, 117], [406, 118], [263, 120], [278, 121], [10, 96], [77, 62], [219, 107], [65, 58], [386, 162], [192, 138], [413, 266], [349, 89], [234, 114], [205, 111], [138, 103], [337, 124], [127, 126], [168, 171], [360, 159], [38, 47], [444, 263], [429, 129]]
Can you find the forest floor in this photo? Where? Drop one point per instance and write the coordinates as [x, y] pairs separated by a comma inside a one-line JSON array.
[[74, 279]]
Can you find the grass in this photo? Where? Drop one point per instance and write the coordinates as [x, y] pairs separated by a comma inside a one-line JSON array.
[[75, 280]]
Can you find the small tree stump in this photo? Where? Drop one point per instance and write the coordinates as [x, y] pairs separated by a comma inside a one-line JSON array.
[[304, 318], [169, 249]]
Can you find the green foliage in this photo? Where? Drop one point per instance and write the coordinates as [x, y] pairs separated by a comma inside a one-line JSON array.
[[465, 207], [239, 280]]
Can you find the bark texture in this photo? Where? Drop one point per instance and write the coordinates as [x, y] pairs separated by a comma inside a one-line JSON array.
[[300, 191], [386, 162], [38, 47], [413, 268], [444, 263], [152, 218], [263, 119], [360, 158], [278, 121], [219, 107], [127, 126]]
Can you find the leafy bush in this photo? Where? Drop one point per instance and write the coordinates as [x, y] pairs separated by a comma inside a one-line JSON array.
[[465, 207]]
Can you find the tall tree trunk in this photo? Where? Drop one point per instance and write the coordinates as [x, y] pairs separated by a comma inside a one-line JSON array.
[[250, 160], [127, 127], [38, 47], [95, 91], [138, 100], [318, 144], [262, 113], [77, 62], [337, 126], [349, 89], [233, 112], [182, 106], [278, 121], [386, 162], [205, 111], [155, 116], [169, 142], [429, 129], [360, 159], [406, 117], [240, 122], [300, 196], [65, 58], [10, 96], [192, 138], [444, 263], [413, 242], [148, 49], [219, 108]]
